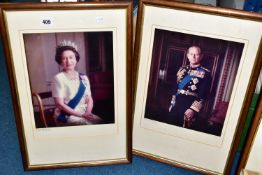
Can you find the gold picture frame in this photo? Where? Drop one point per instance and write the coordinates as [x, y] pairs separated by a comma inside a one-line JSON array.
[[101, 32], [166, 32]]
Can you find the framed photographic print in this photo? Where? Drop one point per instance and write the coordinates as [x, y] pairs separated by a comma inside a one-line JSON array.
[[196, 68], [69, 67], [250, 159]]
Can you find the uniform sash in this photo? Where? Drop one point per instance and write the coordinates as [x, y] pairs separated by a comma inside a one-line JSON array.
[[73, 102], [181, 85], [187, 79]]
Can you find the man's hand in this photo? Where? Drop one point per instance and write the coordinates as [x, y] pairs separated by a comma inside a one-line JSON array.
[[189, 118], [189, 114]]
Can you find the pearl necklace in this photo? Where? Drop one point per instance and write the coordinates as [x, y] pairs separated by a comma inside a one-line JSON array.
[[71, 76]]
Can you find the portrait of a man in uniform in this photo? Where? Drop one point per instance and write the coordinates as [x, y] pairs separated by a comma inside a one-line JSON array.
[[193, 83], [191, 80]]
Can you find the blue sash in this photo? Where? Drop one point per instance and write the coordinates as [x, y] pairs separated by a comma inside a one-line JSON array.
[[73, 102], [181, 86], [185, 80]]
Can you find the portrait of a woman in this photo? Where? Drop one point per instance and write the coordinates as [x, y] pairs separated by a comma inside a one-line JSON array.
[[71, 90]]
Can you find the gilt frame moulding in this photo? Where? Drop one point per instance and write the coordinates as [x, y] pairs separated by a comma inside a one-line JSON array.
[[50, 146], [232, 55]]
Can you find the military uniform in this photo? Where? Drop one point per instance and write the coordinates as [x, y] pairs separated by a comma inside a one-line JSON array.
[[192, 88]]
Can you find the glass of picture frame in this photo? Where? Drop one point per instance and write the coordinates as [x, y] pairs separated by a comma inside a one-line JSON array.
[[98, 35], [196, 69]]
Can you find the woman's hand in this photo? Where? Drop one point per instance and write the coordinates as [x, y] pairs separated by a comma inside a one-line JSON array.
[[88, 116]]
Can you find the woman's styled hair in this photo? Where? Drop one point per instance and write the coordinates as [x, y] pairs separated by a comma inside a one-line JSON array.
[[64, 46]]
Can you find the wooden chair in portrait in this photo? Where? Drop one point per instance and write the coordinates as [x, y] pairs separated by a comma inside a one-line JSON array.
[[44, 109]]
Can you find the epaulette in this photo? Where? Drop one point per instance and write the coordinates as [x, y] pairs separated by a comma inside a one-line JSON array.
[[182, 67], [205, 69]]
